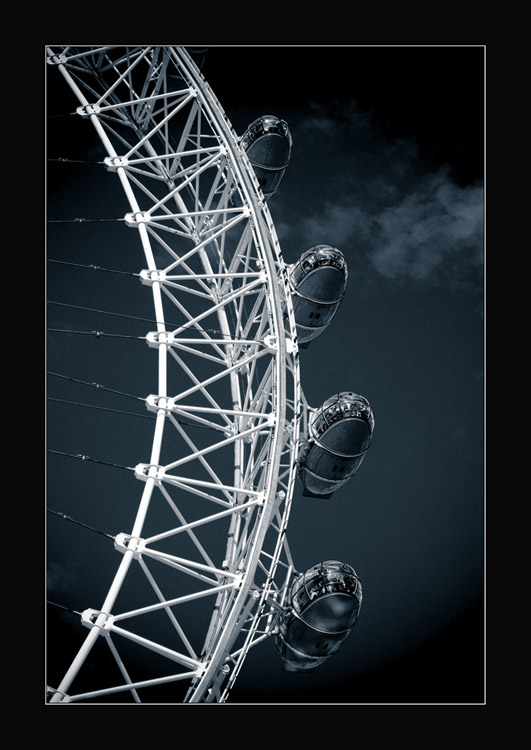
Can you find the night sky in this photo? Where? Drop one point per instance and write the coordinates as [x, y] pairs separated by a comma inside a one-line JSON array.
[[387, 165]]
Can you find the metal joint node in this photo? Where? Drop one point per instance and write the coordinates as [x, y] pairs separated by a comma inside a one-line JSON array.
[[95, 618], [127, 543], [88, 110], [271, 344], [56, 60], [148, 471], [155, 403], [148, 277], [156, 338], [113, 162], [134, 219]]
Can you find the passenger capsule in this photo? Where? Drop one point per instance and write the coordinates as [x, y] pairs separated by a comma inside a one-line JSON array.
[[324, 605], [318, 281], [338, 438], [267, 142]]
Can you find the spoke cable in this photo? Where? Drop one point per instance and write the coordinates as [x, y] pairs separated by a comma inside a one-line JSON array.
[[91, 266], [66, 609], [78, 220], [117, 411], [73, 161], [103, 408], [96, 333], [79, 523], [62, 114], [95, 385], [104, 312], [134, 317], [88, 458]]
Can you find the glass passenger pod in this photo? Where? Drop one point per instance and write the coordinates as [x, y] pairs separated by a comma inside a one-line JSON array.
[[324, 607], [340, 434], [268, 142], [318, 282]]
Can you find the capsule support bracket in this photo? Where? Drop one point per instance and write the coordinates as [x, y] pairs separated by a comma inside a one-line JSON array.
[[271, 344]]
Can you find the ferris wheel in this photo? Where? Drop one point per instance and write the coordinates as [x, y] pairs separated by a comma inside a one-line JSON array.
[[226, 341]]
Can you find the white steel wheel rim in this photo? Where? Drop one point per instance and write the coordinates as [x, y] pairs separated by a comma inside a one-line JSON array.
[[237, 321]]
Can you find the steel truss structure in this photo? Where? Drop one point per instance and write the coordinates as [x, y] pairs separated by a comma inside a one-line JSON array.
[[212, 259]]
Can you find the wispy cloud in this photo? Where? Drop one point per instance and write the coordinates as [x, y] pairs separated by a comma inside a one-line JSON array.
[[61, 579], [377, 201], [436, 227]]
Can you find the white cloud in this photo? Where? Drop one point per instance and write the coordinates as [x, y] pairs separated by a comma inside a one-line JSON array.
[[60, 578], [339, 225], [438, 224], [376, 200]]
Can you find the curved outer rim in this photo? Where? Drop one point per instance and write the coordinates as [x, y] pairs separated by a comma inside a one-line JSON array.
[[262, 229], [243, 171]]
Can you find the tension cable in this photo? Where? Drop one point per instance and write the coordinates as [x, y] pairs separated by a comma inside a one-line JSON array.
[[134, 317], [96, 333], [66, 609], [73, 520], [95, 385], [102, 408], [72, 161], [88, 458], [91, 266], [182, 422], [78, 220]]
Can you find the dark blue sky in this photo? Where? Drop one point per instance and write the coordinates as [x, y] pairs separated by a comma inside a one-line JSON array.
[[387, 165]]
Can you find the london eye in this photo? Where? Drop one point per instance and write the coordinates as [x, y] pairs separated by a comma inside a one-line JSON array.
[[204, 571]]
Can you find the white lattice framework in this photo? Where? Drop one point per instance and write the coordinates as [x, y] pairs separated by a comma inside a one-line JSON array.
[[213, 262]]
